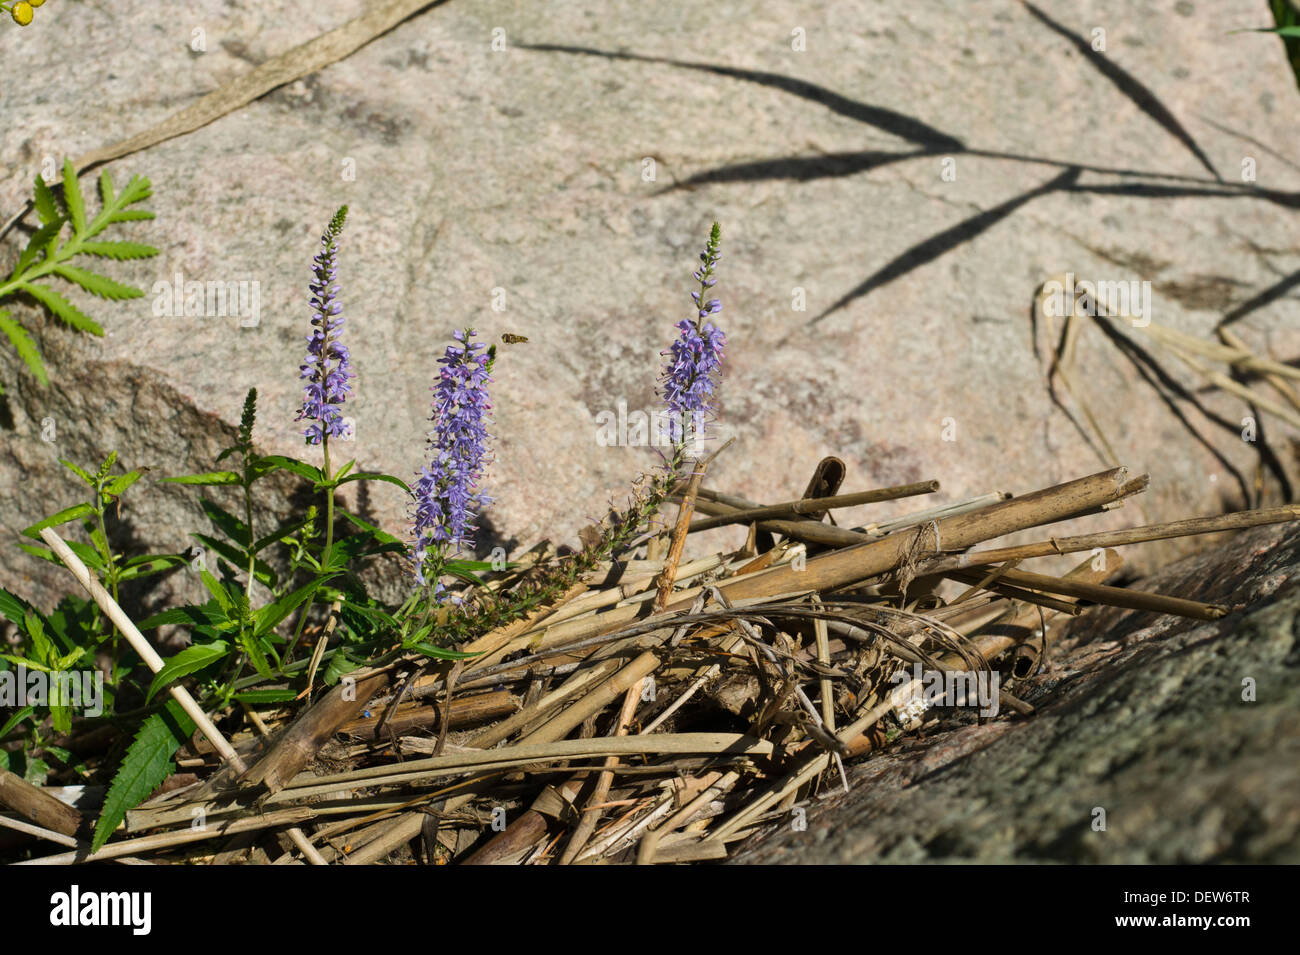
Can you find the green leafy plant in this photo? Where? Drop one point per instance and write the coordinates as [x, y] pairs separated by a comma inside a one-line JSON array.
[[264, 586], [1286, 20], [50, 253]]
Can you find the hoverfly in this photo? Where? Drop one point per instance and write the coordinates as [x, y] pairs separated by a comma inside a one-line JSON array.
[[511, 339]]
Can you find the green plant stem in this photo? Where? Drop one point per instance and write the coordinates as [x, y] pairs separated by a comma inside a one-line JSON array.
[[329, 498]]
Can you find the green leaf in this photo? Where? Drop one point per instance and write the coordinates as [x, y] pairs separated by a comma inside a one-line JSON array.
[[97, 284], [340, 663], [382, 536], [204, 615], [120, 251], [54, 520], [219, 593], [439, 653], [237, 559], [269, 617], [150, 564], [13, 608], [120, 483], [130, 215], [226, 522], [29, 662], [72, 197], [256, 656], [39, 242], [210, 478], [78, 471], [345, 551], [190, 660], [46, 207], [61, 307], [282, 532], [89, 556], [136, 190], [146, 766], [25, 347], [300, 468], [14, 720], [266, 696], [375, 476], [1287, 21], [452, 566]]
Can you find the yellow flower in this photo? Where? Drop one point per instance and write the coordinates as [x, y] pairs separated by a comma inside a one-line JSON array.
[[22, 12], [36, 3]]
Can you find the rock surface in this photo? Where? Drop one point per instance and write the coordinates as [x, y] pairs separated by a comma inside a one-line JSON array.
[[523, 170], [1143, 717]]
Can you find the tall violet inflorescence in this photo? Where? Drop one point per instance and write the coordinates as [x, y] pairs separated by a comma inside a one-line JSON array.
[[694, 367], [448, 493], [327, 367]]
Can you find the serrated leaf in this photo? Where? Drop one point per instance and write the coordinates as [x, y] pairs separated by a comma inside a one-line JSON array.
[[238, 560], [72, 197], [204, 615], [340, 663], [54, 520], [130, 215], [105, 188], [226, 522], [150, 564], [78, 471], [118, 250], [28, 662], [293, 465], [13, 608], [39, 242], [47, 209], [207, 479], [190, 660], [255, 653], [137, 189], [97, 284], [61, 307], [87, 554], [375, 476], [219, 593], [439, 653], [120, 483], [382, 536], [266, 696], [14, 720], [146, 767], [25, 347], [284, 530], [270, 616]]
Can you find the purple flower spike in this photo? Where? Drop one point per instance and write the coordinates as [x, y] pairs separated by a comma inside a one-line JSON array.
[[447, 491], [694, 368], [327, 367]]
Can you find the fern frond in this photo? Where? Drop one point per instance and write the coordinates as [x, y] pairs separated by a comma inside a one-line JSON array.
[[119, 250], [61, 307], [24, 346], [97, 284], [76, 205]]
